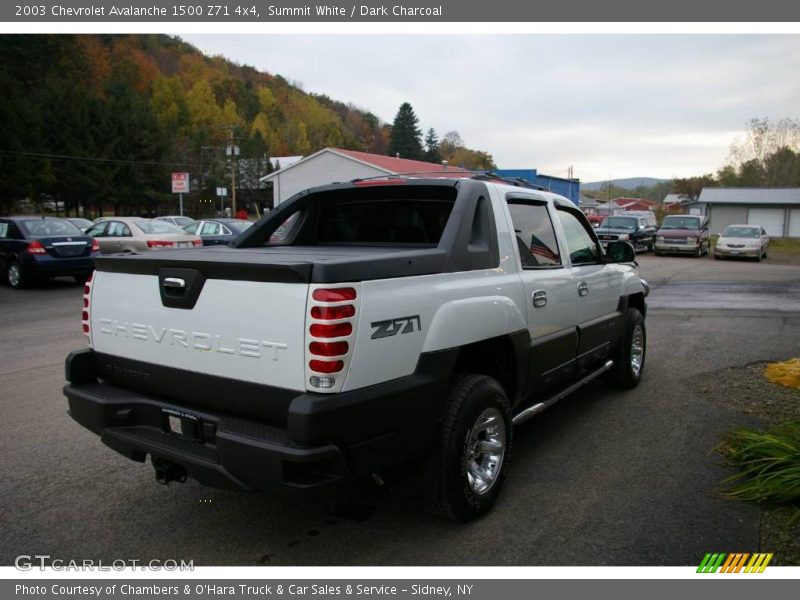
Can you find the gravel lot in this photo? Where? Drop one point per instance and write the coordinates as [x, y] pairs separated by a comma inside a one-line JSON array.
[[603, 478]]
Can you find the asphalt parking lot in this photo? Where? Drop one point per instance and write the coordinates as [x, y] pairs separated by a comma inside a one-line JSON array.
[[603, 478]]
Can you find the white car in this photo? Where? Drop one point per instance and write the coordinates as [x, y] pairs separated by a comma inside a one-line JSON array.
[[177, 220], [745, 241]]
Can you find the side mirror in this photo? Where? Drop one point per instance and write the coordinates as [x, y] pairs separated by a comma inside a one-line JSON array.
[[621, 252]]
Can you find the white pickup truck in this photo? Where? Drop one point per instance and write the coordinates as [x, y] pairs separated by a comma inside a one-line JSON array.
[[359, 327]]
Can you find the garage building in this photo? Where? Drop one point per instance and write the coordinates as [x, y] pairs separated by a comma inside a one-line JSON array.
[[776, 209]]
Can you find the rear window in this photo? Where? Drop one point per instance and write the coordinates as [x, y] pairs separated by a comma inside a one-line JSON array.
[[158, 227], [46, 227], [384, 222]]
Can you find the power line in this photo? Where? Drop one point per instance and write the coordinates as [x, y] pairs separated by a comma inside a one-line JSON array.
[[151, 163]]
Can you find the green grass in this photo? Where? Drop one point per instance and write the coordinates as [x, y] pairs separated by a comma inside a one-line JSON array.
[[769, 465], [787, 245]]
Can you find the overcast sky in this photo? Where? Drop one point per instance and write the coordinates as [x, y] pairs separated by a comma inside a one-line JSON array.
[[619, 106]]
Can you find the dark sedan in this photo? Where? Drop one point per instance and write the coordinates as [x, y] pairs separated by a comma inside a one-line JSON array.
[[33, 248], [217, 232], [629, 229]]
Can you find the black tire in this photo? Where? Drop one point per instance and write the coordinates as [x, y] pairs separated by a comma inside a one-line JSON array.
[[15, 276], [716, 256], [453, 494], [623, 374]]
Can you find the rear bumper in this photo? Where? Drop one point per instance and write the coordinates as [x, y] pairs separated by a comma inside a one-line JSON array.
[[47, 266], [326, 439]]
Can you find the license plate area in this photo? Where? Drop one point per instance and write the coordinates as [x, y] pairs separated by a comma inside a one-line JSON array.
[[187, 426]]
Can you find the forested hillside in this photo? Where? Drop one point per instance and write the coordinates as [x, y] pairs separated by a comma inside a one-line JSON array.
[[92, 119]]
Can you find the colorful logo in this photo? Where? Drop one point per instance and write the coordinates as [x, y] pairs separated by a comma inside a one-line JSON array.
[[735, 562]]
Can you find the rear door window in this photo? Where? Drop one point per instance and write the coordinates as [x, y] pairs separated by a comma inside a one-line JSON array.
[[536, 238]]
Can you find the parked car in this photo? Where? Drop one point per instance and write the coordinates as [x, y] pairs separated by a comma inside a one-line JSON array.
[[683, 234], [750, 241], [177, 220], [34, 248], [133, 234], [82, 224], [627, 229], [216, 232], [648, 215]]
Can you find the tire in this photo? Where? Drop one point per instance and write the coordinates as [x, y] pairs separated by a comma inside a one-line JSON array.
[[699, 252], [14, 275], [626, 373], [477, 413], [716, 256]]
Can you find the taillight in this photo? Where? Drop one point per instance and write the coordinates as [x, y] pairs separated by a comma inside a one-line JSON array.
[[159, 244], [334, 295], [331, 331], [329, 342], [35, 247], [95, 245], [197, 243], [87, 293]]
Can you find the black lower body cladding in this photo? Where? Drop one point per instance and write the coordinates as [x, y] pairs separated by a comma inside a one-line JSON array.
[[319, 439]]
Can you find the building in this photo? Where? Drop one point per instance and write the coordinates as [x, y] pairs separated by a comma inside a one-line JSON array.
[[331, 165], [635, 204], [775, 209], [569, 188]]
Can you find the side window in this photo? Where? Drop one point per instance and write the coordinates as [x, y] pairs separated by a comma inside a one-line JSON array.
[[192, 228], [580, 243], [536, 238], [117, 229], [3, 230], [210, 228]]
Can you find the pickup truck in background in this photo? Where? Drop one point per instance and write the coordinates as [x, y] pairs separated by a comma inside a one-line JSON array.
[[358, 328]]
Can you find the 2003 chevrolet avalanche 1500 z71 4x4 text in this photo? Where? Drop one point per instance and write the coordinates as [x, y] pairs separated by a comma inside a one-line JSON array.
[[357, 328]]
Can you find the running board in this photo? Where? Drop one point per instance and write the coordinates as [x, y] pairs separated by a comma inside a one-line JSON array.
[[539, 407]]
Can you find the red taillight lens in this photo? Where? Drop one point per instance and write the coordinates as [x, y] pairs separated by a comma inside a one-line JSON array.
[[85, 315], [331, 313], [85, 302], [326, 366], [197, 243], [328, 348], [159, 244], [334, 295], [86, 328], [35, 247], [376, 182], [95, 245], [86, 289], [331, 331]]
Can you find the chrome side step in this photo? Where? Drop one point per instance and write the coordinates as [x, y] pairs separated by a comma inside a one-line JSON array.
[[539, 407]]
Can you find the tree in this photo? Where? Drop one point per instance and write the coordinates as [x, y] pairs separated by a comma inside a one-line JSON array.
[[406, 135], [692, 186], [432, 153]]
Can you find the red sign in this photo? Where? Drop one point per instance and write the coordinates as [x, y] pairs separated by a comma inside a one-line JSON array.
[[180, 183]]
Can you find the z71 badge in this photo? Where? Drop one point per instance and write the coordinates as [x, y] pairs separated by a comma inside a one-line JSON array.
[[392, 327]]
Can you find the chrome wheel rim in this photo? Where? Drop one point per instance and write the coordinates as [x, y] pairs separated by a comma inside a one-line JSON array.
[[637, 350], [485, 450], [13, 275]]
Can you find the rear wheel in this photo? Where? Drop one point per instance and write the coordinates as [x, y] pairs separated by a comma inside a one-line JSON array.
[[629, 362], [469, 464], [14, 275]]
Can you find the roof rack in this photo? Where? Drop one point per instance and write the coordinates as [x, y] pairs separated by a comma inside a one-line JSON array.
[[478, 175]]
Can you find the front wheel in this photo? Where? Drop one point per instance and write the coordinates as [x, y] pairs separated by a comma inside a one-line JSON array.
[[469, 463], [629, 362], [14, 275]]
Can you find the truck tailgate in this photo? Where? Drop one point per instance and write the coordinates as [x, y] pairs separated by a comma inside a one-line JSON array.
[[250, 331]]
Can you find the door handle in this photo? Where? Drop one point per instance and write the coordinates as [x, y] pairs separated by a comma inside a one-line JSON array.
[[583, 289], [539, 298]]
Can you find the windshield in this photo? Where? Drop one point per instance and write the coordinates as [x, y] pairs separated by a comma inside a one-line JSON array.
[[157, 227], [620, 223], [681, 223], [81, 222], [741, 232], [45, 227]]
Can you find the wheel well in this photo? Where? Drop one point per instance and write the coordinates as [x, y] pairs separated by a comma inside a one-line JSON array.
[[637, 301], [494, 357]]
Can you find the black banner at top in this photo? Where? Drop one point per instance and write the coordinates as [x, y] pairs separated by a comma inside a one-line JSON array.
[[333, 11]]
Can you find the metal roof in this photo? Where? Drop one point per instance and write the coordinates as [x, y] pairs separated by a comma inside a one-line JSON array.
[[715, 195]]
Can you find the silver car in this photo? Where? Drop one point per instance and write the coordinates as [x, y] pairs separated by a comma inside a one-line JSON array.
[[177, 220], [134, 234], [746, 241]]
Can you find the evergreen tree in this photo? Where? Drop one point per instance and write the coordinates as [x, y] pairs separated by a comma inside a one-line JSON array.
[[432, 152], [406, 136]]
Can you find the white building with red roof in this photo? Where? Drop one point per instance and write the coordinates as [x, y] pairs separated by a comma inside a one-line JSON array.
[[331, 165]]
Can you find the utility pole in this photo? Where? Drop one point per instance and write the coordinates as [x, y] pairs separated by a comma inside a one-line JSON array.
[[233, 151]]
